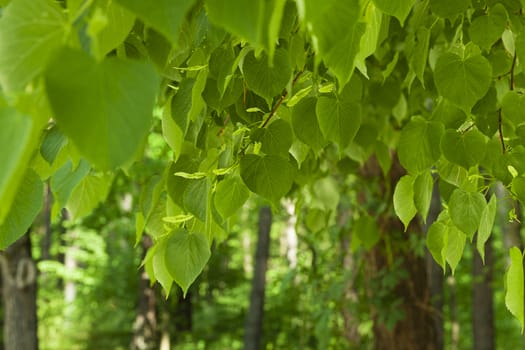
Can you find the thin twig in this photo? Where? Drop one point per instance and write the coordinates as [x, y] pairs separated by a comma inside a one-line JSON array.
[[274, 109], [501, 131], [512, 71], [278, 104]]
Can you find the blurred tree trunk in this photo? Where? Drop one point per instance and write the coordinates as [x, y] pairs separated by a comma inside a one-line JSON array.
[[19, 295], [289, 237], [416, 329], [454, 322], [435, 273], [145, 325], [482, 301], [254, 319]]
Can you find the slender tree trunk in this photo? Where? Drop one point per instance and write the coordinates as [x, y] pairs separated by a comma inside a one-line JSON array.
[[254, 319], [435, 274], [145, 325], [48, 230], [455, 327], [482, 302], [289, 239], [19, 295], [416, 330]]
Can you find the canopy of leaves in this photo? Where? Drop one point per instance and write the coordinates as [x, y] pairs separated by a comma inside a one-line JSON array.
[[259, 96]]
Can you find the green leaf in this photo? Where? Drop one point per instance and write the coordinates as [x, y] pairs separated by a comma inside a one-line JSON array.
[[195, 198], [186, 255], [177, 185], [423, 186], [485, 226], [172, 133], [267, 79], [455, 246], [369, 40], [437, 240], [465, 210], [397, 8], [520, 46], [513, 108], [419, 56], [243, 18], [165, 16], [30, 30], [230, 195], [449, 8], [106, 109], [88, 194], [448, 114], [339, 118], [277, 138], [64, 181], [19, 138], [26, 206], [51, 145], [109, 26], [514, 282], [270, 176], [418, 147], [404, 200], [160, 265], [518, 188], [335, 25], [465, 149], [463, 81], [305, 124], [484, 31]]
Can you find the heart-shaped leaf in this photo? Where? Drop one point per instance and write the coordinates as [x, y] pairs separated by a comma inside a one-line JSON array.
[[104, 108], [465, 149], [269, 176], [463, 81], [465, 210], [397, 8], [418, 147], [186, 255], [267, 79]]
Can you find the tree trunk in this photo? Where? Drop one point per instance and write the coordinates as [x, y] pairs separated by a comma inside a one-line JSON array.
[[145, 325], [19, 295], [416, 329], [289, 238], [454, 322], [435, 274], [482, 302], [254, 319]]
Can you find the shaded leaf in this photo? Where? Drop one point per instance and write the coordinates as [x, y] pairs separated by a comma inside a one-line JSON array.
[[26, 206], [185, 256]]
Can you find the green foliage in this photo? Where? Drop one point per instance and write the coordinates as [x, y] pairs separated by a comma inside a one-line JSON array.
[[252, 96], [514, 281]]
